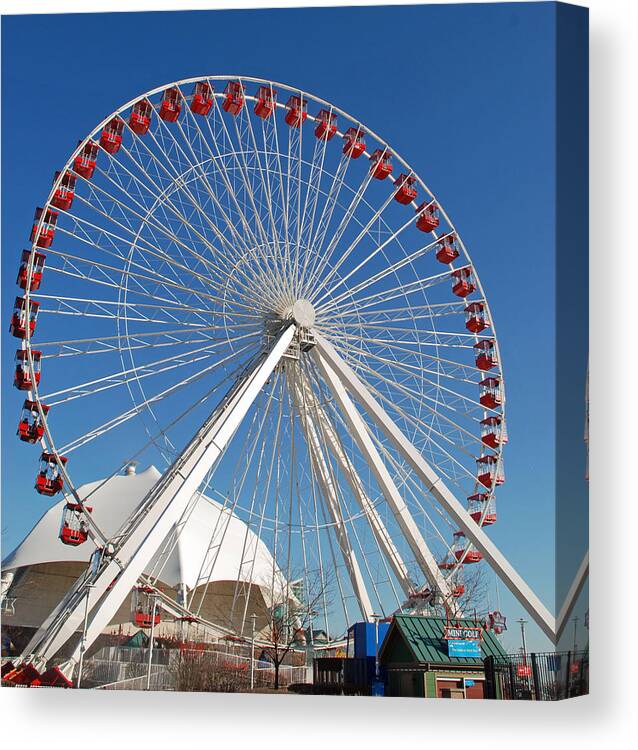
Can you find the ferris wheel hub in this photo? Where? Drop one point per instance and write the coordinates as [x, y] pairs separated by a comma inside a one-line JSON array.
[[303, 313]]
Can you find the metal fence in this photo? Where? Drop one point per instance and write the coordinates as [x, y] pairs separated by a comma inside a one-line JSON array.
[[117, 668], [537, 676]]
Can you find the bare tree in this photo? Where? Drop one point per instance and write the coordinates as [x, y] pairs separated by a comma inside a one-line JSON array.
[[290, 618]]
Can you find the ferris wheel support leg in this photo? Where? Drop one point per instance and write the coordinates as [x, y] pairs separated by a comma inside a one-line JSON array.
[[331, 498], [163, 506], [409, 528], [572, 595], [351, 476], [325, 353]]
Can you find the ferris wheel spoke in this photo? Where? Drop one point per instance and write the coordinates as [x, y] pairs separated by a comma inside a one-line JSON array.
[[203, 180], [318, 275], [106, 382], [389, 270], [113, 344], [162, 201], [243, 127], [237, 236], [180, 245], [308, 229], [163, 282], [431, 403], [457, 371], [125, 416], [387, 295], [329, 291], [399, 314]]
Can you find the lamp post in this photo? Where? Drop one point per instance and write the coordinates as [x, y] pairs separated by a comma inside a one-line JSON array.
[[84, 627], [376, 619], [253, 617], [575, 634], [522, 623], [150, 645]]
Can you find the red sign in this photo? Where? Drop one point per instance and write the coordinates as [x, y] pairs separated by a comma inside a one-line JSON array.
[[524, 670]]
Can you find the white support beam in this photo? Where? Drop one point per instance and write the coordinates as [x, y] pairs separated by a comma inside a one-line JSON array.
[[572, 595], [407, 524], [325, 353], [383, 538], [162, 508], [329, 492]]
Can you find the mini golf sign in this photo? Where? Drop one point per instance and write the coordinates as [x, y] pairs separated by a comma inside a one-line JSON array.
[[463, 642]]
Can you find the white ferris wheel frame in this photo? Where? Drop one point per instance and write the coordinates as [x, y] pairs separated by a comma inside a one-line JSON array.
[[344, 384]]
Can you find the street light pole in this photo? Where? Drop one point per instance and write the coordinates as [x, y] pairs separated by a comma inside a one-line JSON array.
[[150, 645], [84, 627], [376, 619], [575, 633], [253, 617], [522, 623]]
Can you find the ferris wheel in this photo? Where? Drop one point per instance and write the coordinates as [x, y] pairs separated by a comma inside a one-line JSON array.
[[241, 282]]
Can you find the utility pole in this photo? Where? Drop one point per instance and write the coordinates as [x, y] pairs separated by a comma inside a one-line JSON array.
[[522, 623], [575, 632], [253, 617], [376, 619], [84, 627], [150, 645]]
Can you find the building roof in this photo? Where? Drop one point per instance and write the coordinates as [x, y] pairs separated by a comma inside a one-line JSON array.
[[424, 638], [194, 558]]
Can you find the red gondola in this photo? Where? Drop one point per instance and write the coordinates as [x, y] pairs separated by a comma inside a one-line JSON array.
[[380, 164], [202, 100], [266, 100], [19, 320], [234, 97], [475, 320], [297, 111], [488, 473], [85, 162], [142, 607], [428, 219], [30, 426], [485, 354], [171, 105], [49, 480], [354, 142], [480, 502], [65, 191], [458, 584], [326, 124], [463, 282], [47, 230], [460, 543], [36, 271], [490, 396], [447, 565], [406, 192], [74, 529], [493, 432], [140, 118], [111, 137], [22, 376], [447, 249]]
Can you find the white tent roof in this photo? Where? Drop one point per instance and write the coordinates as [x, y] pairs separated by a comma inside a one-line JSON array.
[[188, 561]]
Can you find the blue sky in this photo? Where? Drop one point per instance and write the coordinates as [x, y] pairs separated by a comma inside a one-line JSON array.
[[465, 93]]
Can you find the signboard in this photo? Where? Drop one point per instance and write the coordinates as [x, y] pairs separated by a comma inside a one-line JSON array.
[[455, 633], [524, 670], [467, 649], [469, 683]]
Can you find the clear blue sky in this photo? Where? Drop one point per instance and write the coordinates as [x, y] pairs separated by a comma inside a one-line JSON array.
[[465, 93]]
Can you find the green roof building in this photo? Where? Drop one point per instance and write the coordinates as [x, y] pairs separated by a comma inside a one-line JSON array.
[[418, 660]]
